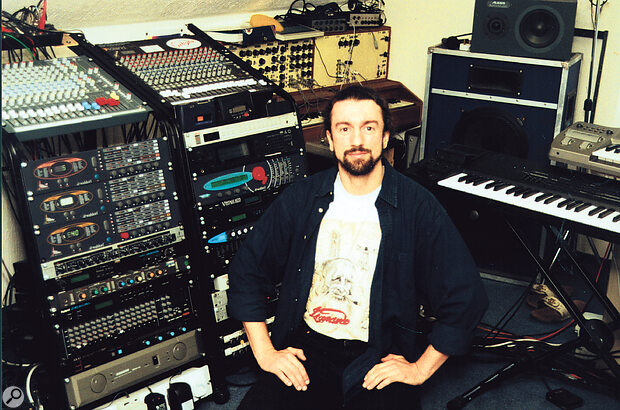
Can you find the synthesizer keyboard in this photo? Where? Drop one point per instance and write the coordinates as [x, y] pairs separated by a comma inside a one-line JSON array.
[[51, 97], [590, 148], [588, 203]]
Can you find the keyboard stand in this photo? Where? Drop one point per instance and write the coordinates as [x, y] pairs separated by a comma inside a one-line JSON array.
[[596, 335]]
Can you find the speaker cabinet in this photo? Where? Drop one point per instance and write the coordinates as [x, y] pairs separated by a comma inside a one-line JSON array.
[[512, 105], [526, 28]]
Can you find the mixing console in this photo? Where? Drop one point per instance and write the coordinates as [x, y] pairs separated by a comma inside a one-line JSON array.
[[183, 69], [50, 97]]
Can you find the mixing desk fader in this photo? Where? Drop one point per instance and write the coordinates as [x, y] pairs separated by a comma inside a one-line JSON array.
[[50, 97]]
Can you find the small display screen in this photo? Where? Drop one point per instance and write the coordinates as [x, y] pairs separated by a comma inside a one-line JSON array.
[[251, 199], [232, 180], [73, 233], [60, 168], [238, 218], [237, 109], [68, 200], [233, 152], [79, 278], [105, 304]]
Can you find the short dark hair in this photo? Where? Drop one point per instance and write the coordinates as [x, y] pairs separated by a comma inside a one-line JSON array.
[[358, 92]]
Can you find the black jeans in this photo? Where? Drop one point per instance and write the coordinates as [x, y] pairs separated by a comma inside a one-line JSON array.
[[326, 361]]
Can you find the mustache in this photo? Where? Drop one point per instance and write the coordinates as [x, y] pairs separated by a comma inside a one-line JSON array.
[[356, 150]]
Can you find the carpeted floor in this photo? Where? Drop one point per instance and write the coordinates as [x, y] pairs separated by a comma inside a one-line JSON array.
[[459, 375]]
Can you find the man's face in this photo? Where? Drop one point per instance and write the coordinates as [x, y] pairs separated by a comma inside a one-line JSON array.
[[356, 136]]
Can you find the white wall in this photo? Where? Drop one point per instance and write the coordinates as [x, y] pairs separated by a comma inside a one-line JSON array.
[[417, 25]]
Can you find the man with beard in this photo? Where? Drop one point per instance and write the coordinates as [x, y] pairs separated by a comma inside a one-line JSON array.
[[350, 339]]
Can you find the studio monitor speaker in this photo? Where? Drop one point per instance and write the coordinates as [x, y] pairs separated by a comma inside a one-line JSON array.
[[525, 28]]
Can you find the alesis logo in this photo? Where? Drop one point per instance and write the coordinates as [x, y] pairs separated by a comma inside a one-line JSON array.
[[498, 4], [334, 316]]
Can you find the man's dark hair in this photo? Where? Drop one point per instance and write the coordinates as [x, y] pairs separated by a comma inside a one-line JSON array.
[[358, 92]]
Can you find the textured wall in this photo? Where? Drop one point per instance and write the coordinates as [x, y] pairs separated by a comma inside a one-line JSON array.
[[71, 14]]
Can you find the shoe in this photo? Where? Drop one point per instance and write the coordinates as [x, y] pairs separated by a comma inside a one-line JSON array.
[[539, 291], [554, 311]]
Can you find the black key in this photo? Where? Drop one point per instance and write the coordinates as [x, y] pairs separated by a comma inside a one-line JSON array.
[[470, 179], [511, 190], [612, 147], [573, 204], [481, 181], [607, 212], [541, 197], [521, 190], [463, 178], [552, 199], [616, 218], [529, 193], [595, 210], [582, 207], [492, 184], [564, 202], [500, 186]]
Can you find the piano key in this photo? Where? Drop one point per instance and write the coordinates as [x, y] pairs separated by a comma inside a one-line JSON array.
[[583, 206], [499, 186], [605, 213], [551, 199], [529, 193], [595, 210], [520, 190], [564, 202], [573, 204], [543, 197], [585, 213], [481, 181]]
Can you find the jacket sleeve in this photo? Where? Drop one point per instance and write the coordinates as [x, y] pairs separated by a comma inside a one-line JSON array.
[[259, 264], [450, 280]]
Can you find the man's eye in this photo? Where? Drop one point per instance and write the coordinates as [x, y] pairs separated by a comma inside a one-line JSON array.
[[344, 129]]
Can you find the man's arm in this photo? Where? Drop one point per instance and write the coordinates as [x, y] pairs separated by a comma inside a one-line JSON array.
[[395, 368], [283, 363]]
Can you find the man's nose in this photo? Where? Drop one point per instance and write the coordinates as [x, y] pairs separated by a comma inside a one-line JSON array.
[[356, 137]]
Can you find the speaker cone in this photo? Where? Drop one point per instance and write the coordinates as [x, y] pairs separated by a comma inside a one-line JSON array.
[[496, 25], [539, 28]]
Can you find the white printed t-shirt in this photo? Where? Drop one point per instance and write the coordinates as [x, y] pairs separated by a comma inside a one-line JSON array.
[[345, 260]]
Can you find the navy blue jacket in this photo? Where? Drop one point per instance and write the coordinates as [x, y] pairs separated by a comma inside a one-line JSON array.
[[421, 258]]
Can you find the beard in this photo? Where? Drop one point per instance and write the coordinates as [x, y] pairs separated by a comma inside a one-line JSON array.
[[360, 166]]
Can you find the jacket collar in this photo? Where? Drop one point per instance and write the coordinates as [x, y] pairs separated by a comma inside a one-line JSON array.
[[389, 185]]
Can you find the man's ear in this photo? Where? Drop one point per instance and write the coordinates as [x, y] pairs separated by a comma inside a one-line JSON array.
[[329, 140], [386, 139]]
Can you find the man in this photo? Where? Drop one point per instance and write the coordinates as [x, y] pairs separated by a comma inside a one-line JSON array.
[[357, 249]]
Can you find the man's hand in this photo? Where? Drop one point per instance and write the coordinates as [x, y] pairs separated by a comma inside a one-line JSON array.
[[286, 365], [393, 368]]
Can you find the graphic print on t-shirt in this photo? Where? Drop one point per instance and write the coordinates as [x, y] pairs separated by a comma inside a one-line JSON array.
[[346, 255]]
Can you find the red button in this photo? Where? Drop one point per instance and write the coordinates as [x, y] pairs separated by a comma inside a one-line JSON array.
[[112, 102], [124, 235], [101, 101]]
